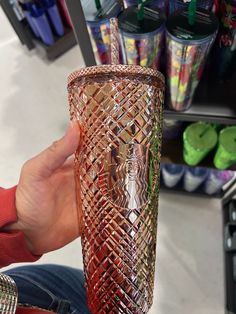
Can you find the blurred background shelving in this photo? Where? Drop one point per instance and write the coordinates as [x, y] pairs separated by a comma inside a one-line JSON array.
[[18, 21]]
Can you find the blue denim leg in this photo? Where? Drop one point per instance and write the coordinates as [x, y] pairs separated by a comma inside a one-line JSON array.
[[51, 287]]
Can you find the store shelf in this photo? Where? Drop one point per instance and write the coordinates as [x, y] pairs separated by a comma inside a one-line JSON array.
[[172, 152], [61, 45], [22, 29], [213, 102], [198, 193], [19, 27]]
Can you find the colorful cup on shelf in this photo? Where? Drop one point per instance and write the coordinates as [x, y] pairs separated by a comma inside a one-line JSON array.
[[216, 180], [194, 177], [187, 48], [225, 155], [172, 174], [27, 12], [54, 16], [99, 26], [40, 20], [199, 139], [142, 42]]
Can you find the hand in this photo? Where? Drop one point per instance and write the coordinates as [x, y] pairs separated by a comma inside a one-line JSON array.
[[46, 197]]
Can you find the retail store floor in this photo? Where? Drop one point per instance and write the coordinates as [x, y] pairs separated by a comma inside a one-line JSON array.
[[34, 112]]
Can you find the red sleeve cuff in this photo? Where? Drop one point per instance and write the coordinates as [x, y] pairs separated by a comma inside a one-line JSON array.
[[7, 206], [13, 247]]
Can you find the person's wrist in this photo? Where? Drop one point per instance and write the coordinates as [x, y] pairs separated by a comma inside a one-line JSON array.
[[19, 226]]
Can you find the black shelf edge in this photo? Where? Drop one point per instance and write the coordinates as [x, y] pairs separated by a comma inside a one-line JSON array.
[[203, 113], [230, 283], [197, 193]]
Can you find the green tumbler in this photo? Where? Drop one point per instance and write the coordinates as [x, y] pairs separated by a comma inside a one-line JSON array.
[[199, 139], [226, 153]]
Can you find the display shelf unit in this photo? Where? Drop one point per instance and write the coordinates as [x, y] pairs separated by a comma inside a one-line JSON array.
[[229, 231], [214, 101], [26, 37], [22, 31]]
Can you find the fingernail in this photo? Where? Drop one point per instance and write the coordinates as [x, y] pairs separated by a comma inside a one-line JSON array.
[[68, 128], [74, 124]]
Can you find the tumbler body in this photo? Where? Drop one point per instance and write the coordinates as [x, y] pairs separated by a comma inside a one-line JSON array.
[[120, 111]]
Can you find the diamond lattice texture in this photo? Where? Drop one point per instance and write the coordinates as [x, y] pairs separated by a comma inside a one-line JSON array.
[[118, 173]]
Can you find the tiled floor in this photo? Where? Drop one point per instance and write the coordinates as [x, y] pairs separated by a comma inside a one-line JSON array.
[[33, 113]]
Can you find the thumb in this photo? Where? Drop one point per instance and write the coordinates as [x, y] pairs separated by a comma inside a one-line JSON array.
[[55, 155]]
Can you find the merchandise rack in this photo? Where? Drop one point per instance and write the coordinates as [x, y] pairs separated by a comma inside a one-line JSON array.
[[214, 101], [26, 37]]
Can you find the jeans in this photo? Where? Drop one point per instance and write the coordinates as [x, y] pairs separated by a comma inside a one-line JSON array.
[[51, 287]]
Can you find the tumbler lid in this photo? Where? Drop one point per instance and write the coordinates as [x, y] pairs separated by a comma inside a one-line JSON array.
[[109, 8], [128, 22], [201, 136], [118, 70], [206, 24], [228, 139]]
